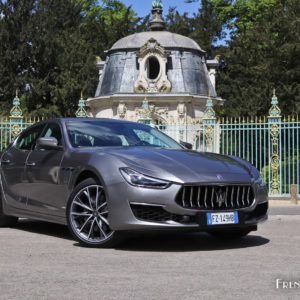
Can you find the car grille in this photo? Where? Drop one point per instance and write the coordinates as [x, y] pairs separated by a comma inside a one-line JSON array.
[[157, 214], [215, 197]]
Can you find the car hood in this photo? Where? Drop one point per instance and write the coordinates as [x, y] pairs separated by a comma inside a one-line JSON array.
[[183, 166]]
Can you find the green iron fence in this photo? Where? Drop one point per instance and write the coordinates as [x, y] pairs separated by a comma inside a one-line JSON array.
[[269, 143]]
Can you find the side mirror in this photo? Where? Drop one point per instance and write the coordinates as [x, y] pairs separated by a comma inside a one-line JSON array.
[[186, 145], [48, 143]]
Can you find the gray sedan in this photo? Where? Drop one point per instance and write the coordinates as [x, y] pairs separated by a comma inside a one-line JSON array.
[[102, 177]]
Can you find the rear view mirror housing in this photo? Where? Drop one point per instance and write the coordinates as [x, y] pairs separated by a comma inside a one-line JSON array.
[[186, 145], [48, 143]]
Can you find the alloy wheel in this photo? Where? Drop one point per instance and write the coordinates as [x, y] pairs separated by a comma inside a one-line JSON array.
[[89, 215]]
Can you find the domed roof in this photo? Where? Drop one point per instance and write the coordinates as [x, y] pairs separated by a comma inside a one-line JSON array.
[[165, 38]]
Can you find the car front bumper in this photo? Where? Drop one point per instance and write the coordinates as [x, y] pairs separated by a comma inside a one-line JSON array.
[[135, 208]]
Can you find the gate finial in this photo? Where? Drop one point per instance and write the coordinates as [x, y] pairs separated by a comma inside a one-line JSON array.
[[16, 111], [209, 112], [274, 111], [81, 112]]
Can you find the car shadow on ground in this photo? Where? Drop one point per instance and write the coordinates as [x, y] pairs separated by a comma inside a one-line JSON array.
[[45, 228], [183, 241], [153, 241]]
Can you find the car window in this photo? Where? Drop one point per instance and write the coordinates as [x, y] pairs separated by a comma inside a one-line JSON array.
[[94, 133], [53, 130], [148, 138], [28, 138]]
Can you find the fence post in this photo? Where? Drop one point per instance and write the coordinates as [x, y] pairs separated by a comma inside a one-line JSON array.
[[15, 119], [294, 192], [274, 120], [81, 112], [145, 113], [209, 127]]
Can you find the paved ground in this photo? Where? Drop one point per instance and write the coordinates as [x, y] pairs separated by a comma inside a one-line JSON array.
[[41, 261]]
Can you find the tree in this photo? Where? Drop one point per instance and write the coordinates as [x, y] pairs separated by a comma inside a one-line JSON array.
[[15, 50], [177, 23], [49, 48], [203, 26], [208, 29], [262, 55]]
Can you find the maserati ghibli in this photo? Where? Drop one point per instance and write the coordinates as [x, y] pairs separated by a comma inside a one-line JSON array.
[[104, 177]]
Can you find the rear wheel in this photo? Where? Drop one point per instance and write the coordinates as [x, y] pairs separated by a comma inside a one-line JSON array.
[[88, 215], [6, 221], [229, 233]]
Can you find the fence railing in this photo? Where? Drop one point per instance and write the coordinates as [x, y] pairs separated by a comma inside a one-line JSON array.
[[252, 142], [271, 144]]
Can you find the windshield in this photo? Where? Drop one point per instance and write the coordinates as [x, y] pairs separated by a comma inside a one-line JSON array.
[[113, 134]]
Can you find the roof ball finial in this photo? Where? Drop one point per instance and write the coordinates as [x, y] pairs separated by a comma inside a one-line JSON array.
[[157, 23], [157, 4]]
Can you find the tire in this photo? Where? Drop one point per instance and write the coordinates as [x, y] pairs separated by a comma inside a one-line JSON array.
[[229, 233], [6, 221], [88, 216]]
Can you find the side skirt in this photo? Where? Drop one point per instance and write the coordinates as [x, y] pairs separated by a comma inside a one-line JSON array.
[[20, 213]]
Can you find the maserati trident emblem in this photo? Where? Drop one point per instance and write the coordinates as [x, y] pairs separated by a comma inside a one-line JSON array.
[[219, 176], [221, 197]]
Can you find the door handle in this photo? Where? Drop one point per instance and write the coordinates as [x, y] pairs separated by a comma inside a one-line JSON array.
[[30, 164], [5, 161]]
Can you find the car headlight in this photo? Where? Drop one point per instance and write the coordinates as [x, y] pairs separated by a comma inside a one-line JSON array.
[[137, 179]]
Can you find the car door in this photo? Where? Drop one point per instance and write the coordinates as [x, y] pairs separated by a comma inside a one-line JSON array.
[[46, 192], [13, 162]]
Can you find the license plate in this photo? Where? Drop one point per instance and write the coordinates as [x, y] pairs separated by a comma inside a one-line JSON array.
[[222, 218]]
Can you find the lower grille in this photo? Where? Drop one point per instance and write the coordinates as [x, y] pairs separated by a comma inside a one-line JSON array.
[[210, 197], [260, 211], [157, 214]]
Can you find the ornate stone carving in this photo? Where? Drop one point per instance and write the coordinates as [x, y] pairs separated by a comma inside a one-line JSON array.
[[100, 65], [122, 109], [181, 110], [162, 111], [152, 49]]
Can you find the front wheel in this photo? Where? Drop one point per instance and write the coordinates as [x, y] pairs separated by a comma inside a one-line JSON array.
[[229, 233], [88, 215]]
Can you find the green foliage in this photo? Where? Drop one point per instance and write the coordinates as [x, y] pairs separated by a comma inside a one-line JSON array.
[[261, 56], [14, 49], [48, 50], [243, 14], [204, 26]]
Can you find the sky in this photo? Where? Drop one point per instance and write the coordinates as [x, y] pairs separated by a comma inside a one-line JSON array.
[[143, 7]]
